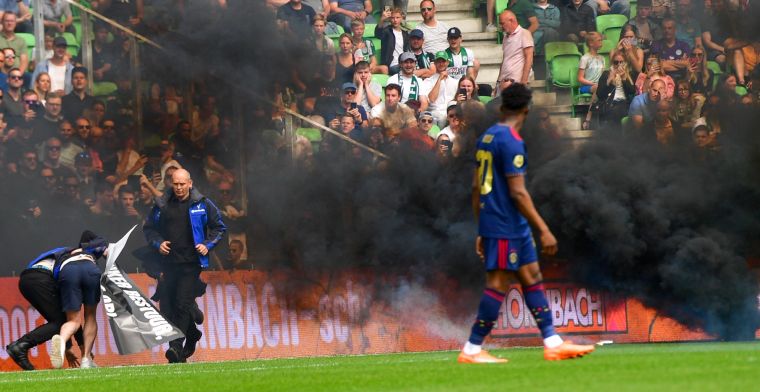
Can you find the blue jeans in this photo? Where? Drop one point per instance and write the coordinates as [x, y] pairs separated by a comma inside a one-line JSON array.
[[620, 7]]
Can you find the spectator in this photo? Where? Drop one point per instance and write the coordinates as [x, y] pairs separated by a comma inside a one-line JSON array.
[[434, 30], [462, 61], [51, 159], [324, 45], [47, 125], [654, 72], [344, 67], [184, 239], [713, 35], [235, 260], [96, 114], [444, 145], [686, 108], [25, 139], [549, 22], [663, 127], [130, 162], [517, 49], [20, 8], [672, 51], [32, 107], [426, 122], [126, 211], [394, 114], [75, 102], [9, 58], [347, 104], [411, 86], [629, 47], [13, 102], [368, 92], [643, 107], [687, 27], [394, 41], [295, 18], [662, 9], [343, 12], [232, 211], [85, 173], [167, 161], [69, 149], [440, 89], [647, 28], [364, 48], [127, 12], [425, 67], [42, 86], [102, 55], [591, 64], [725, 91], [700, 77], [577, 20], [454, 130], [745, 58], [615, 93], [103, 205], [204, 119], [467, 90], [9, 39], [57, 16], [605, 7]]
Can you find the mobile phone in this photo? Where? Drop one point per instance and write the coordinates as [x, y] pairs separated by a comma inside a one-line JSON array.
[[447, 144], [693, 61], [353, 105], [133, 182], [462, 92]]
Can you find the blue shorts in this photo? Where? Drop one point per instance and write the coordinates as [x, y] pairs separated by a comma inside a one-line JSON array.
[[509, 254], [79, 283], [585, 89]]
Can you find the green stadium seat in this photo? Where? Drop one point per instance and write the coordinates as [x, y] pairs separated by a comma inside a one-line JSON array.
[[434, 131], [28, 38], [553, 49], [380, 79], [564, 71], [741, 91], [369, 30], [717, 71], [101, 89], [314, 135], [484, 99], [612, 22]]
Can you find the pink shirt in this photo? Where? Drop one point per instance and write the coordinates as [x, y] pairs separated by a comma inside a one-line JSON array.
[[514, 57]]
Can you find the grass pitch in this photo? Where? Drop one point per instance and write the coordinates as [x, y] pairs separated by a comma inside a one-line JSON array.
[[656, 367]]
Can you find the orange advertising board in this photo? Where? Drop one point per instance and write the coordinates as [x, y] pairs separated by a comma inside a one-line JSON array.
[[251, 314]]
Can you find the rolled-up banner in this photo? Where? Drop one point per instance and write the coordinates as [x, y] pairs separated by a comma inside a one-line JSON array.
[[135, 322]]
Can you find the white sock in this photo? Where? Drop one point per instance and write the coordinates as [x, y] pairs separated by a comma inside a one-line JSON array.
[[553, 341], [471, 349]]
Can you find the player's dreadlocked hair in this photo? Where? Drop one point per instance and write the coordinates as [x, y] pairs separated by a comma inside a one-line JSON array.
[[515, 98]]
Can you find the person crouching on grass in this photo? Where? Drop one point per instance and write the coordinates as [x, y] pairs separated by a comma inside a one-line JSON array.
[[79, 284]]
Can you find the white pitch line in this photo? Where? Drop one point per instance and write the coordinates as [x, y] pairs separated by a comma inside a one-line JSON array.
[[81, 374]]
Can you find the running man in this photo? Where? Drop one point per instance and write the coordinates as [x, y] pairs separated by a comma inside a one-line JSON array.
[[505, 244]]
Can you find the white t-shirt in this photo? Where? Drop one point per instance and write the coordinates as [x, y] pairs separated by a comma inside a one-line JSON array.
[[57, 76], [377, 90], [446, 92], [411, 87], [435, 37], [459, 63], [399, 48], [514, 58], [594, 66]]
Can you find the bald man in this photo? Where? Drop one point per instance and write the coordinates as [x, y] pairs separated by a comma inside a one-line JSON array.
[[517, 47], [183, 227]]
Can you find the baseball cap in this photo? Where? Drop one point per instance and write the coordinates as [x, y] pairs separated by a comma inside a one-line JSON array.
[[441, 55], [425, 114], [416, 33], [407, 56], [348, 86], [454, 32], [60, 41]]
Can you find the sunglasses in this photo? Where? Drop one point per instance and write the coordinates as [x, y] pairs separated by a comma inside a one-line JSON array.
[[425, 9], [83, 126], [618, 62], [350, 92], [14, 77], [426, 120], [10, 57], [30, 102]]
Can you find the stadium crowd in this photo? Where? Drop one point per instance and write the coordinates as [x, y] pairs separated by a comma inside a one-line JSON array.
[[68, 156]]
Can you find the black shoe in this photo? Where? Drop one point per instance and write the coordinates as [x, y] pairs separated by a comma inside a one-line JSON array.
[[197, 315], [17, 351], [191, 340], [174, 355]]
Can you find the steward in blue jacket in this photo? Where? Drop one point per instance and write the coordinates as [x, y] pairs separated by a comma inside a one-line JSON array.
[[183, 227]]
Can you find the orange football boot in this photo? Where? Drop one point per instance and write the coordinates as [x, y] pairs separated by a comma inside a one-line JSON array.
[[567, 350], [482, 357]]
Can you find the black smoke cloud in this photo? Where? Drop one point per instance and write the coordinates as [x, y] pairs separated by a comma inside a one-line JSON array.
[[633, 220]]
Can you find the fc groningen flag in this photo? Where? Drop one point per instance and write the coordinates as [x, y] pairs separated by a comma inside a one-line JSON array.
[[136, 324]]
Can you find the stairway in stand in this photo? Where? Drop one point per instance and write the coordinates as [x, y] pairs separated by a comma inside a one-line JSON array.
[[459, 13]]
